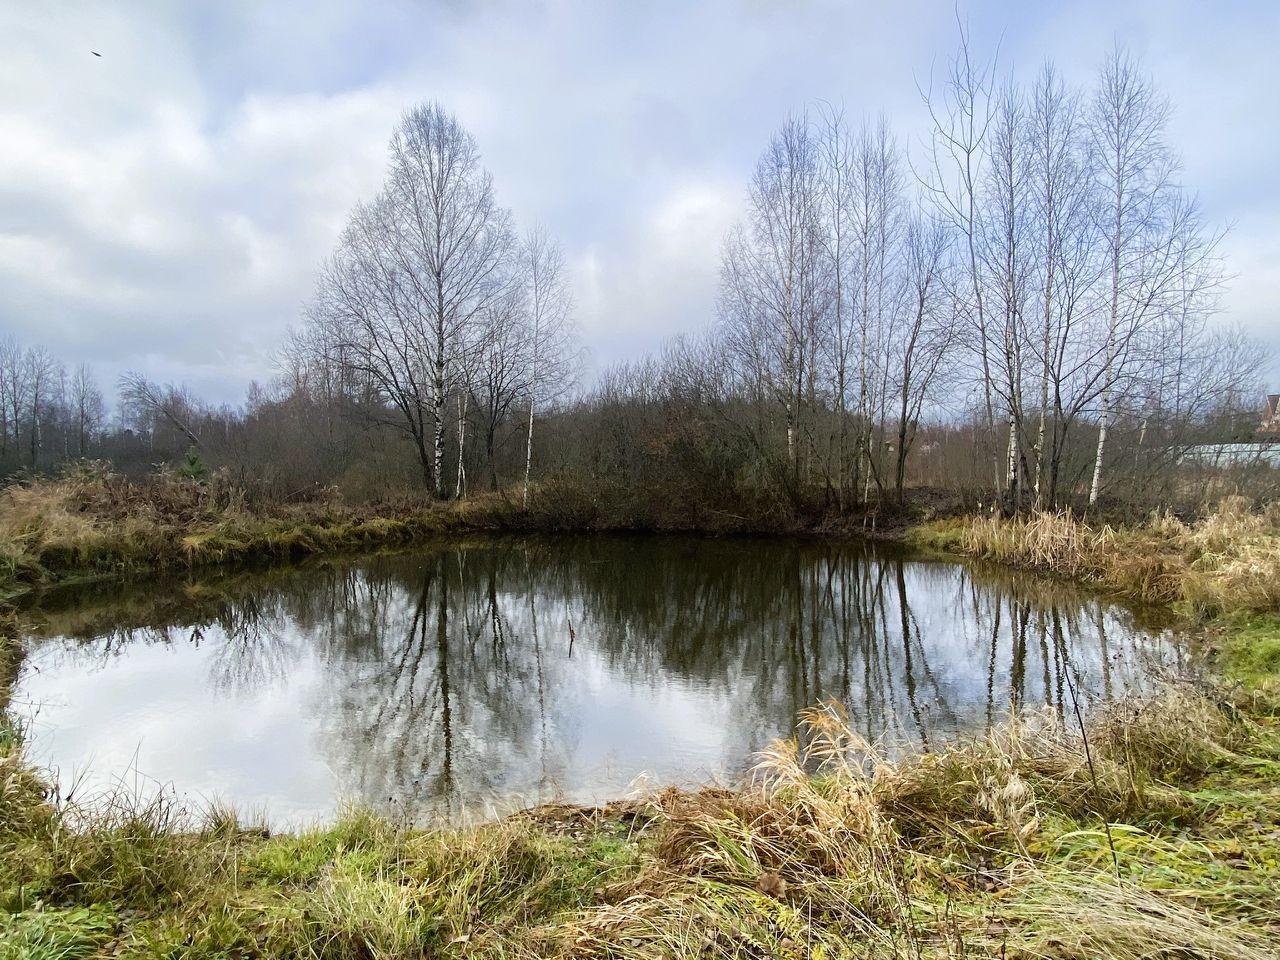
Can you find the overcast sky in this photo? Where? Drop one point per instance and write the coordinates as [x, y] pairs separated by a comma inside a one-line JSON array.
[[164, 206]]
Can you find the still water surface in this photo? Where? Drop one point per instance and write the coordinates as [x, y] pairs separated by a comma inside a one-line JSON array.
[[466, 679]]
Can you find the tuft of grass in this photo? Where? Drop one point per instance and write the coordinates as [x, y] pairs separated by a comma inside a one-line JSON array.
[[1068, 915], [1250, 653], [133, 851], [41, 934]]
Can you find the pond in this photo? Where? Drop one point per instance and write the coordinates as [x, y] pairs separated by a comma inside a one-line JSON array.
[[470, 678]]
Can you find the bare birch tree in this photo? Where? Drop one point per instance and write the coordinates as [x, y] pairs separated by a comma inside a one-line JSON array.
[[877, 221], [772, 282], [1006, 267], [1063, 236], [412, 272], [951, 175], [549, 322], [451, 242], [838, 155], [1134, 165]]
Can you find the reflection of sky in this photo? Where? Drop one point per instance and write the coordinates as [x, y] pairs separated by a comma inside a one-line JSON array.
[[152, 715], [336, 690]]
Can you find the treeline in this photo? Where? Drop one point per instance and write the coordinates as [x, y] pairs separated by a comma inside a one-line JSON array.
[[1035, 278], [1019, 310], [48, 413]]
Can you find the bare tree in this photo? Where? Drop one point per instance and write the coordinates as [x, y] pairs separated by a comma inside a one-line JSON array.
[[1063, 240], [838, 155], [961, 116], [1142, 216], [877, 222], [413, 270], [451, 240], [154, 402], [503, 369], [549, 306], [367, 317], [42, 372], [1005, 254], [772, 279], [13, 394], [87, 407], [924, 342]]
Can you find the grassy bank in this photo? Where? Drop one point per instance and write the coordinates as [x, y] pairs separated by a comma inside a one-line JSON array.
[[1225, 563], [91, 523]]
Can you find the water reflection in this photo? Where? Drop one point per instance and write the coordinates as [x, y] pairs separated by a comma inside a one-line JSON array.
[[516, 670]]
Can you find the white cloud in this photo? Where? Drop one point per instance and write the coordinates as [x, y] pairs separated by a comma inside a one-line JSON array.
[[658, 279], [166, 205]]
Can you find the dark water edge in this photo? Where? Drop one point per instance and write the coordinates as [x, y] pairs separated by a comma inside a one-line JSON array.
[[481, 674]]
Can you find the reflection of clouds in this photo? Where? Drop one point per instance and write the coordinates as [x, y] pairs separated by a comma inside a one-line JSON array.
[[456, 679]]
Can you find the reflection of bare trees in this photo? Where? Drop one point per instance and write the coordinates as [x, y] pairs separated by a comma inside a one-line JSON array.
[[447, 698], [455, 676], [257, 650]]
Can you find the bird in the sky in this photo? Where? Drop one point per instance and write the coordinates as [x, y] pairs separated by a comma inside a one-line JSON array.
[[95, 53]]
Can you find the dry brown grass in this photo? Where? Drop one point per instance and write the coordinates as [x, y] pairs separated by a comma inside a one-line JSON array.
[[1224, 562], [837, 850], [91, 522]]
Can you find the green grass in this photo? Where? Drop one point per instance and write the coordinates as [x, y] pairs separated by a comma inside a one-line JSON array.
[[1250, 652], [74, 934]]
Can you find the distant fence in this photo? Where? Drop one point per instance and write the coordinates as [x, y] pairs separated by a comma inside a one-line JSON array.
[[1234, 454]]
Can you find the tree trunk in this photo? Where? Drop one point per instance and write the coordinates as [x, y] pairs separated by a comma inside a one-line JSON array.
[[1011, 475], [533, 383], [528, 457], [424, 458], [1112, 329], [438, 400], [1044, 382], [461, 486], [900, 475], [489, 442], [1096, 484]]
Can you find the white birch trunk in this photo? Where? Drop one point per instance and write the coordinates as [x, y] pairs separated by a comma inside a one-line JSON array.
[[528, 457], [1104, 417], [461, 487], [533, 385]]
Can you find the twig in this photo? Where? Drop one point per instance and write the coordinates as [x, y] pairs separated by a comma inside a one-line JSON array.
[[1088, 756]]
